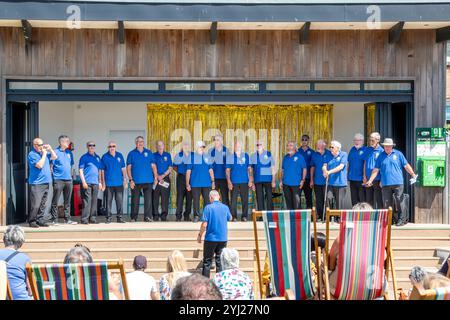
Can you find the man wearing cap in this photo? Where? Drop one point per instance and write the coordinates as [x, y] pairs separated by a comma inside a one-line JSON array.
[[240, 179], [199, 177], [141, 286], [307, 153], [373, 193], [180, 164], [336, 172], [293, 173], [114, 176], [263, 168], [355, 169], [389, 164], [164, 168], [218, 155], [141, 170], [91, 181]]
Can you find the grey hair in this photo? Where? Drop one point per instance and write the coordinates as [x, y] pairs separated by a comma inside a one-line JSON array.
[[78, 255], [229, 259], [195, 287], [376, 135], [336, 143], [362, 206], [214, 194], [14, 236], [359, 136], [138, 137]]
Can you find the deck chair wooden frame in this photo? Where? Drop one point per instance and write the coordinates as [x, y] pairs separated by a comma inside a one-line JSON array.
[[418, 293], [389, 261], [288, 294], [448, 270], [110, 265]]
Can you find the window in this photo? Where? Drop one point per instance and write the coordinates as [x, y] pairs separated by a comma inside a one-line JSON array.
[[33, 85], [386, 86], [188, 86], [288, 86], [337, 86], [235, 86], [85, 86], [135, 86]]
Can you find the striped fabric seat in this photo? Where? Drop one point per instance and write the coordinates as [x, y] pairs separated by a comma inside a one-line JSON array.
[[442, 293], [289, 247], [362, 245], [88, 281]]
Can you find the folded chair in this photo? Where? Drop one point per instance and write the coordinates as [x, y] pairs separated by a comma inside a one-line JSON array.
[[364, 254], [288, 239], [77, 281], [431, 294]]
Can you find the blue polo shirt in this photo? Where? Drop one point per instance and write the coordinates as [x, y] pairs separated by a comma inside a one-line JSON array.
[[262, 166], [356, 163], [317, 161], [219, 162], [239, 168], [163, 161], [62, 166], [307, 155], [216, 214], [293, 169], [112, 165], [36, 175], [199, 166], [17, 274], [181, 162], [338, 179], [91, 164], [141, 165], [371, 155], [391, 167]]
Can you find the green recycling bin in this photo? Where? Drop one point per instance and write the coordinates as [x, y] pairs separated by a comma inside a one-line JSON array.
[[433, 173], [431, 156]]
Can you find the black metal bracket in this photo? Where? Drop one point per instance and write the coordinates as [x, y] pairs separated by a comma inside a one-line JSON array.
[[121, 32], [395, 32], [304, 33], [213, 32]]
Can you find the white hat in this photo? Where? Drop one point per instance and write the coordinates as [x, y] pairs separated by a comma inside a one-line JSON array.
[[388, 142], [199, 144]]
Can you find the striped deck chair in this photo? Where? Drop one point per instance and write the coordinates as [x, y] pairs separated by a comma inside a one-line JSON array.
[[431, 294], [364, 254], [77, 281], [288, 238]]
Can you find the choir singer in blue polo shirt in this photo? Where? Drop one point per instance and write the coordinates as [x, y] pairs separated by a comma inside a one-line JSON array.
[[163, 162], [355, 169], [390, 164], [336, 172], [180, 164], [373, 193], [307, 153], [218, 155], [91, 180], [142, 175], [293, 175], [263, 167]]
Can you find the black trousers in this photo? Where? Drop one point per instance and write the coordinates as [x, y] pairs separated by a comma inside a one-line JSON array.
[[65, 187], [182, 194], [222, 187], [196, 192], [292, 197], [117, 194], [264, 196], [89, 197], [319, 192], [373, 195], [212, 249], [357, 192], [338, 196], [164, 194], [240, 189], [38, 201], [392, 198], [147, 189], [308, 193]]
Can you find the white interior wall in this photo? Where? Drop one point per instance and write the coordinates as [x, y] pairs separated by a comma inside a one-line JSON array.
[[348, 119]]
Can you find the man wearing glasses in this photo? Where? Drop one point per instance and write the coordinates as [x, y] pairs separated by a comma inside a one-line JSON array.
[[114, 176], [355, 169], [39, 181], [91, 180], [373, 193], [307, 153], [218, 155], [336, 173]]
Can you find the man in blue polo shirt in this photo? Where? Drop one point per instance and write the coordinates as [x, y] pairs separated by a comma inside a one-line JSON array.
[[218, 155], [390, 164], [336, 172], [163, 162], [142, 175], [240, 179], [180, 164], [293, 175], [263, 168], [114, 176], [91, 181], [214, 222], [62, 180], [307, 153], [373, 193], [318, 159], [355, 169], [199, 177], [39, 180]]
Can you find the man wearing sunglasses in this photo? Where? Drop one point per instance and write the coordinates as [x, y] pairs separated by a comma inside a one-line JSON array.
[[307, 153], [114, 176], [39, 180], [89, 166]]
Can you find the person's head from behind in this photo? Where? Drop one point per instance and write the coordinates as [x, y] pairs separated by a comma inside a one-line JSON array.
[[14, 237], [363, 206], [214, 196], [78, 254], [176, 262], [435, 280], [140, 263], [229, 258], [195, 287], [321, 240]]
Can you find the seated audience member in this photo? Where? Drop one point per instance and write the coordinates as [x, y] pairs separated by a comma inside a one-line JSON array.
[[195, 287], [232, 282], [14, 238], [141, 286], [321, 240], [176, 269], [423, 280]]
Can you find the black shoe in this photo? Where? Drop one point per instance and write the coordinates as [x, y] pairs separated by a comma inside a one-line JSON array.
[[84, 222], [178, 219], [195, 219], [93, 221], [34, 225], [155, 218], [401, 223], [120, 220], [234, 219], [244, 219], [147, 219], [133, 220], [43, 224], [108, 221], [163, 218], [187, 219], [71, 222]]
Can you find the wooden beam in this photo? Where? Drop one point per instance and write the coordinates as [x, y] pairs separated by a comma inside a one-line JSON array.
[[121, 32], [304, 33], [395, 32], [213, 32], [443, 34]]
